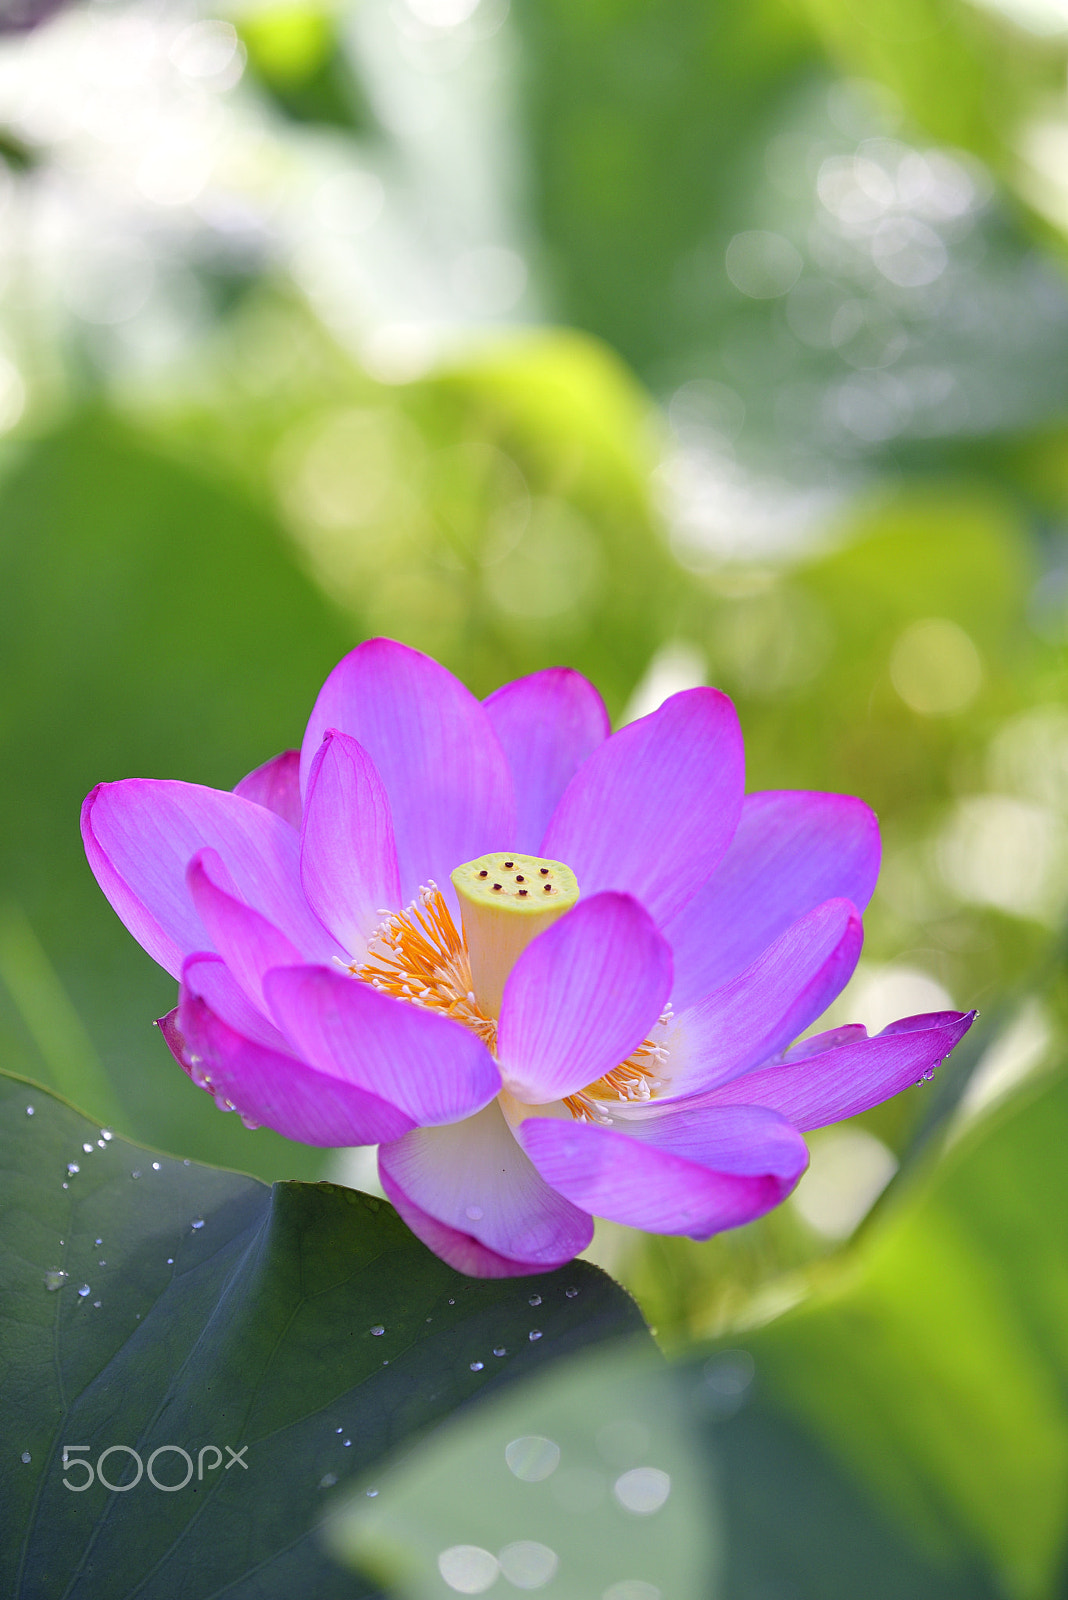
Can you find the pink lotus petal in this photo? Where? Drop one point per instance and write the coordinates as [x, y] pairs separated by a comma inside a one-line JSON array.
[[473, 1179], [816, 1043], [685, 1182], [208, 977], [653, 808], [433, 1068], [432, 745], [276, 1089], [348, 860], [247, 942], [812, 1090], [792, 851], [140, 836], [581, 998], [757, 1014], [275, 785], [547, 724]]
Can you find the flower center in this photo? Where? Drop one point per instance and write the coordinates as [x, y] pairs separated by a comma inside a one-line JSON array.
[[506, 900]]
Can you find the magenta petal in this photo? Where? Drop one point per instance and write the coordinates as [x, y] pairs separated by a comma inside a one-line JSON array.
[[757, 1014], [276, 1089], [140, 836], [675, 1174], [653, 808], [348, 860], [547, 724], [449, 787], [247, 942], [473, 1179], [581, 998], [459, 1250], [208, 977], [430, 1066], [792, 851], [812, 1090], [276, 785]]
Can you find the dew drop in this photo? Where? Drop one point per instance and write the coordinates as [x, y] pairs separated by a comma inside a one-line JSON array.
[[72, 1168], [535, 1300], [155, 1166], [170, 1261], [372, 1494], [101, 1143], [101, 1263], [83, 1291], [65, 1184], [249, 1124], [106, 1133], [197, 1224], [571, 1293], [328, 1480], [347, 1443], [88, 1149], [186, 1162], [475, 1213], [136, 1174], [378, 1330], [98, 1304], [535, 1333], [500, 1351], [29, 1111], [452, 1302], [26, 1458], [98, 1241], [339, 1430], [476, 1366]]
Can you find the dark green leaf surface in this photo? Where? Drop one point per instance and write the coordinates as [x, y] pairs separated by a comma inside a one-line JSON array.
[[201, 1308]]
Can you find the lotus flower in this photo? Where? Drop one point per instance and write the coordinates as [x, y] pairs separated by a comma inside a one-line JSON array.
[[552, 972]]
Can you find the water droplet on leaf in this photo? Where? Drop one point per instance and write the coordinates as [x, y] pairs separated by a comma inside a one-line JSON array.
[[55, 1279]]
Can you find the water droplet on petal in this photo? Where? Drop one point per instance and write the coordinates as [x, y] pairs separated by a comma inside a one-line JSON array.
[[84, 1290], [55, 1279], [378, 1329], [474, 1212], [249, 1124], [535, 1333]]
